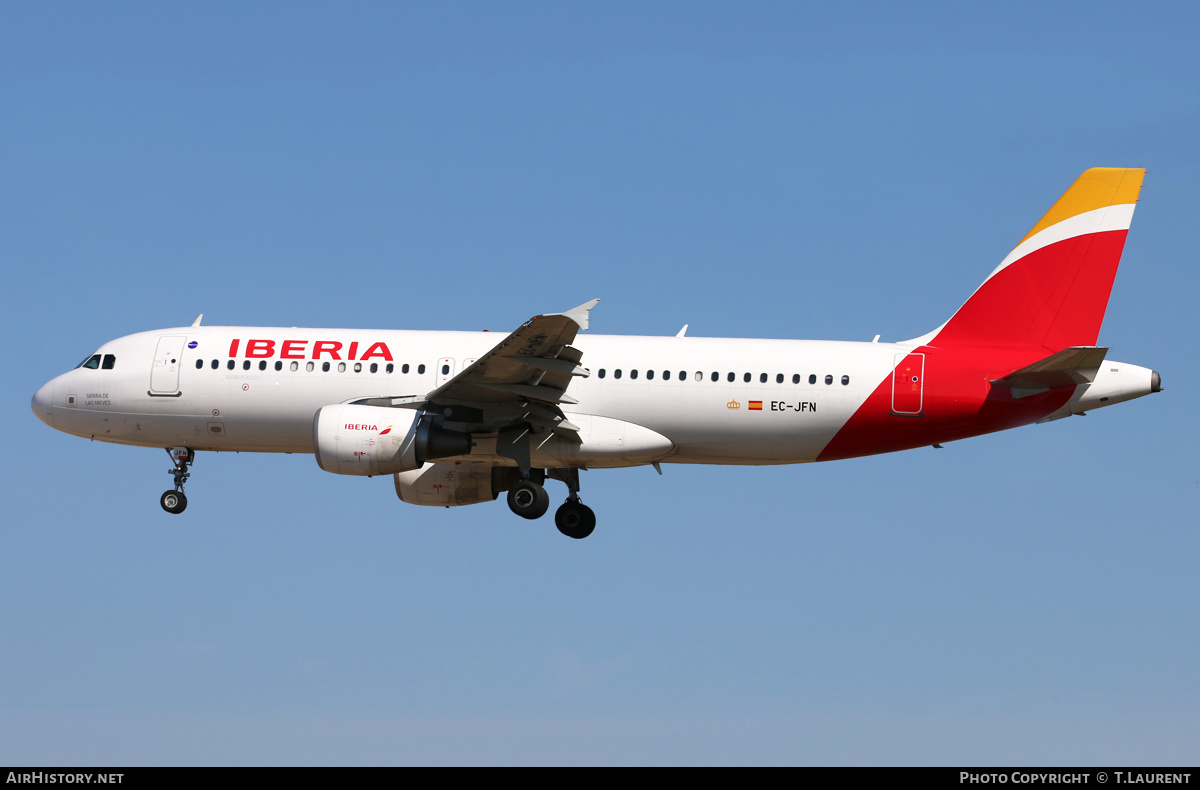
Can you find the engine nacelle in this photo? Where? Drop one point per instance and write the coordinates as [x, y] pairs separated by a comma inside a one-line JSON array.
[[350, 439], [448, 485]]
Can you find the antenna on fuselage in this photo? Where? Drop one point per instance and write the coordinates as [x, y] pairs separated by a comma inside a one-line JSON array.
[[682, 332], [197, 321]]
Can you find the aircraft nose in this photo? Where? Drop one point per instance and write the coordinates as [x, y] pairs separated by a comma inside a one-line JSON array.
[[43, 399]]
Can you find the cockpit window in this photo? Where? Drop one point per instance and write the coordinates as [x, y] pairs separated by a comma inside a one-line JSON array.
[[92, 362], [109, 361]]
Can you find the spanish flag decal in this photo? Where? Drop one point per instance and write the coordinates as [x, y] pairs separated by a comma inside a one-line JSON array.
[[755, 405]]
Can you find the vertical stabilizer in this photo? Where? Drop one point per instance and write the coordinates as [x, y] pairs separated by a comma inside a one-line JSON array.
[[1052, 289]]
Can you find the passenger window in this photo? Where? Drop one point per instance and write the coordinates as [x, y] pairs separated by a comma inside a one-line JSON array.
[[199, 364], [845, 381], [445, 369], [828, 379], [762, 378], [795, 378], [246, 365], [374, 367], [341, 367], [778, 378], [216, 363], [230, 364], [601, 373], [295, 366], [278, 365], [617, 373], [93, 363], [699, 376], [309, 367], [110, 361], [358, 367], [730, 377], [746, 378], [812, 378], [390, 367], [324, 367], [403, 368], [633, 374], [683, 375], [716, 376], [649, 374], [666, 375], [262, 365], [420, 368]]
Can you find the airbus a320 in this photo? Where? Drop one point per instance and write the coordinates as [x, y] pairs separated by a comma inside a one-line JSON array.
[[457, 418]]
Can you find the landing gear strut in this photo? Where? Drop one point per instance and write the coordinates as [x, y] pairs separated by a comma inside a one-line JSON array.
[[573, 518], [174, 501], [528, 499]]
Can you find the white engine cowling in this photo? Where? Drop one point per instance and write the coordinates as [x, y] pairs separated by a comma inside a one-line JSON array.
[[350, 439], [448, 485]]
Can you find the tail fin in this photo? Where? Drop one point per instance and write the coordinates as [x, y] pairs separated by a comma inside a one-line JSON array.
[[1052, 289]]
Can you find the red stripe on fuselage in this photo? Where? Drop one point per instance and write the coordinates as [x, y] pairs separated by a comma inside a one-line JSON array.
[[958, 403]]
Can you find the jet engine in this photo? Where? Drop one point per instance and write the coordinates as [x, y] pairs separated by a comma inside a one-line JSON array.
[[351, 439], [451, 484]]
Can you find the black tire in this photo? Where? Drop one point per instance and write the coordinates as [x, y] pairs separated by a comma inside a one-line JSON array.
[[575, 520], [173, 501], [528, 500]]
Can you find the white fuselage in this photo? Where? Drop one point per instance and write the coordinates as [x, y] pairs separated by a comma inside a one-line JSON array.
[[246, 404]]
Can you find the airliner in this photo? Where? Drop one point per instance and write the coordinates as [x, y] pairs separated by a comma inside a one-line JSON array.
[[457, 418]]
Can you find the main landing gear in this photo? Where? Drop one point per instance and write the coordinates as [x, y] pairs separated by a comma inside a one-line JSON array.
[[528, 499], [174, 501], [575, 519]]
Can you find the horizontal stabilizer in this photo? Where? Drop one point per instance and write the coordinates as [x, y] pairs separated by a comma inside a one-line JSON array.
[[1067, 368]]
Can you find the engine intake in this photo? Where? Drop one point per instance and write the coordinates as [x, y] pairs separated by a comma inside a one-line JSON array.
[[351, 439]]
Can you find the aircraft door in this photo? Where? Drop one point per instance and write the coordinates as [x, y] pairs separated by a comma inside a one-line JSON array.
[[908, 384], [164, 375], [444, 370], [466, 364]]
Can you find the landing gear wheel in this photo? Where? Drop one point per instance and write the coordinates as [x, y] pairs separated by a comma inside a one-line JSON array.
[[528, 500], [173, 501], [575, 520]]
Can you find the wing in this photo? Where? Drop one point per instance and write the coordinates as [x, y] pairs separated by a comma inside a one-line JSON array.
[[535, 363], [523, 379]]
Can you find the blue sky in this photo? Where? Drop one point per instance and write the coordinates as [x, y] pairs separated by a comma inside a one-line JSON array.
[[775, 170]]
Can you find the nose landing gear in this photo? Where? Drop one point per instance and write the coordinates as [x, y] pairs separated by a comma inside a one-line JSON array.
[[174, 501]]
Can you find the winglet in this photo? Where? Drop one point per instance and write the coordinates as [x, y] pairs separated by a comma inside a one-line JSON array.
[[580, 314], [197, 321]]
